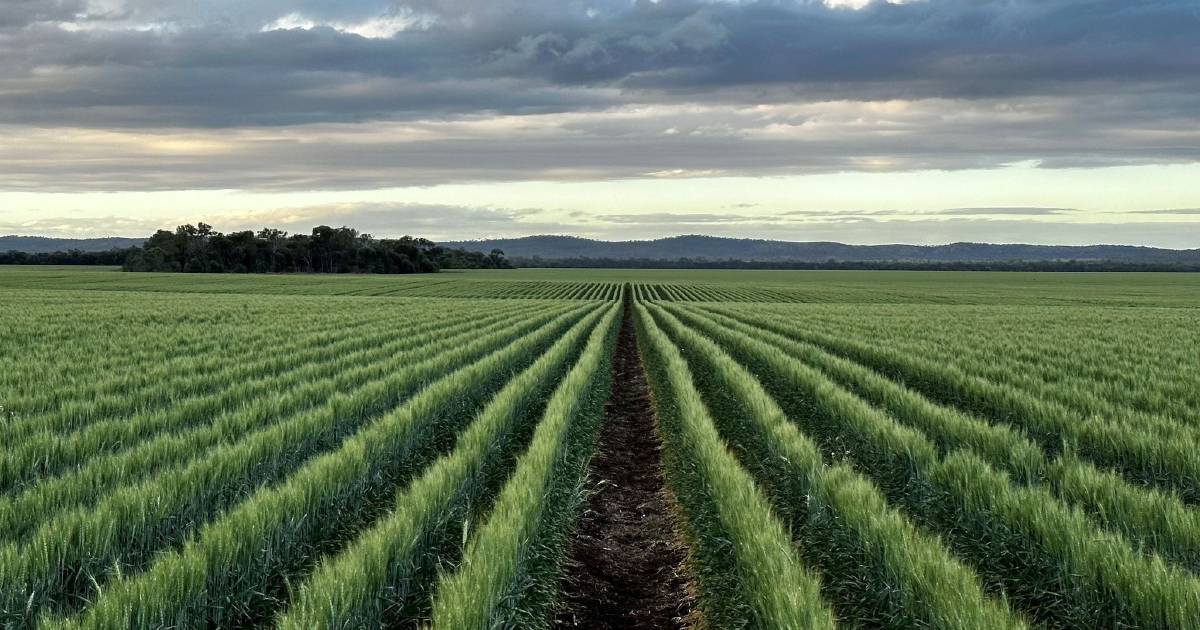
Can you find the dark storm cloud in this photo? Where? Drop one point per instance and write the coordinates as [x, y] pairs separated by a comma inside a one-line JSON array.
[[16, 13], [639, 88], [207, 63]]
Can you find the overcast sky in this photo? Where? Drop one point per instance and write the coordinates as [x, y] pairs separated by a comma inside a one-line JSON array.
[[929, 121]]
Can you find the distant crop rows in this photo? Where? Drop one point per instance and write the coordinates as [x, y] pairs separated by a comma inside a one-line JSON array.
[[897, 288], [915, 492], [713, 293], [445, 285]]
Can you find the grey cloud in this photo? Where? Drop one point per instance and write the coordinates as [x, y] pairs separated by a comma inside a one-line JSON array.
[[72, 226], [606, 144], [1005, 211], [435, 221], [944, 47], [17, 13], [1172, 211], [651, 218], [1069, 83], [663, 50], [391, 218]]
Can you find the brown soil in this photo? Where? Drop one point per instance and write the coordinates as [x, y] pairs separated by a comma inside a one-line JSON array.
[[626, 568]]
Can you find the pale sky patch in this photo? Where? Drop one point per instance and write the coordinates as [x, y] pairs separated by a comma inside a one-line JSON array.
[[785, 207]]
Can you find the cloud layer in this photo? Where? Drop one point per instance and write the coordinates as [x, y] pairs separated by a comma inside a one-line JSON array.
[[277, 62], [224, 94]]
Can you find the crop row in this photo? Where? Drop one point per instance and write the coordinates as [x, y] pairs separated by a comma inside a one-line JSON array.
[[226, 573], [98, 475], [509, 568], [1049, 352], [741, 550], [68, 555], [47, 368], [305, 367], [365, 477], [1154, 453], [171, 351], [518, 289], [859, 466], [713, 293], [449, 285], [1157, 520]]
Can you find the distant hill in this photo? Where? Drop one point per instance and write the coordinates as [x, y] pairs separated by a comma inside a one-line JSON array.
[[43, 244], [526, 250], [719, 248]]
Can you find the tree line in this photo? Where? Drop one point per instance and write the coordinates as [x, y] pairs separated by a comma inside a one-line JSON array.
[[111, 258], [199, 248]]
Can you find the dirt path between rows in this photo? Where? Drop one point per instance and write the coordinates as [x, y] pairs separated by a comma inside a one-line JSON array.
[[626, 568]]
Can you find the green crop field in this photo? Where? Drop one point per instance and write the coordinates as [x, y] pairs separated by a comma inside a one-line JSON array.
[[828, 449]]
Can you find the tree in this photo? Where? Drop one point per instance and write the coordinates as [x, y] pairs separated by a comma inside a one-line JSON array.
[[200, 248]]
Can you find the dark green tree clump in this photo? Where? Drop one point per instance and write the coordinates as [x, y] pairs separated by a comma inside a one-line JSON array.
[[112, 257], [200, 249]]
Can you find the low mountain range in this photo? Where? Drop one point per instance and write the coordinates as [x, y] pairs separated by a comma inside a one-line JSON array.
[[527, 249], [719, 248], [46, 245]]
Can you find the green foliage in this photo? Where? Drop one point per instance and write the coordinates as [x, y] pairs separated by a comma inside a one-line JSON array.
[[21, 512], [1154, 451], [200, 249], [1048, 558], [851, 449], [498, 583], [1159, 521], [299, 365], [71, 554], [225, 575], [903, 578], [749, 573]]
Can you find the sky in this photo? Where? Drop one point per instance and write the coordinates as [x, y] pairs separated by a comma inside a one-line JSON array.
[[924, 121]]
